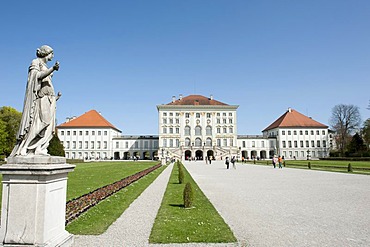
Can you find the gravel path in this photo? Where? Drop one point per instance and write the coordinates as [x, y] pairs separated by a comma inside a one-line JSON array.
[[288, 207], [263, 206]]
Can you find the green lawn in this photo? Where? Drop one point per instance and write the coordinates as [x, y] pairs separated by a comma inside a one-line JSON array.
[[89, 176], [201, 223], [97, 219]]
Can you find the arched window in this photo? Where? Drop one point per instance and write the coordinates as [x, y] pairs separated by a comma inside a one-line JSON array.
[[208, 130], [187, 142], [209, 142], [198, 130], [187, 130], [198, 142]]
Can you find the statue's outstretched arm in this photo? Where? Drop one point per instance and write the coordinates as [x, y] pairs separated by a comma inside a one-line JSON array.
[[47, 72]]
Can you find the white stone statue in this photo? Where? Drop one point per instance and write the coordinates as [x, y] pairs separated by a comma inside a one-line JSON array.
[[38, 117]]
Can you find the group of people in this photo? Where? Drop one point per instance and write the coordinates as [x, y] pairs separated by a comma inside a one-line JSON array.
[[232, 161], [277, 161]]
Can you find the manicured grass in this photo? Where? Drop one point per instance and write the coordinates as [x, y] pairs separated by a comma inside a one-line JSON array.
[[324, 165], [96, 220], [87, 177], [201, 223]]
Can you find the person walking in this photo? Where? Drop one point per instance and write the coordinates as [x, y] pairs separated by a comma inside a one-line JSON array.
[[280, 160], [274, 161], [227, 162], [233, 162]]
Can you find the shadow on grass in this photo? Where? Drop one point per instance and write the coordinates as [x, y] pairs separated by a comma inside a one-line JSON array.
[[177, 205]]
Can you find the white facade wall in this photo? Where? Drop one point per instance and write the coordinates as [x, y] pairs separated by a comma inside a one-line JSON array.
[[197, 127], [87, 143], [142, 147]]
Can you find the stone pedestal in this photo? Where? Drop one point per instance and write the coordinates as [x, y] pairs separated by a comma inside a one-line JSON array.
[[34, 201]]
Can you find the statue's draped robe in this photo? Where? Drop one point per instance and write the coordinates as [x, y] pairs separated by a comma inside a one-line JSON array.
[[38, 117]]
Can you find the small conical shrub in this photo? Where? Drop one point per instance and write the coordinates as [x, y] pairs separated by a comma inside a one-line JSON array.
[[350, 169], [309, 165], [181, 175], [188, 195]]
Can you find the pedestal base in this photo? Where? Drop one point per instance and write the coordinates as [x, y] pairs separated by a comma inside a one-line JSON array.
[[34, 201]]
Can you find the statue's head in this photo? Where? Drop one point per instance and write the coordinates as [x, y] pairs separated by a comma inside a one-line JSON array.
[[43, 51]]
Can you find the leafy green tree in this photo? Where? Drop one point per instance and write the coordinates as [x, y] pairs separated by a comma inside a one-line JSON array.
[[55, 147], [357, 146], [3, 136], [12, 118], [366, 132]]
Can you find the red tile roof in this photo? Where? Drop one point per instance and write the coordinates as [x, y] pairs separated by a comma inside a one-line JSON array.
[[292, 118], [196, 100], [89, 119]]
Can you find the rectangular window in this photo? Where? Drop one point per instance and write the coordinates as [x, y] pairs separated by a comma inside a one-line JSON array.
[[80, 144], [301, 142], [307, 144], [68, 133], [164, 120], [171, 143], [317, 132], [86, 133], [295, 144], [283, 132], [208, 115], [86, 145], [225, 143], [177, 121], [74, 145], [105, 132], [62, 132], [177, 131], [92, 145], [306, 132], [187, 115], [105, 145], [230, 120], [93, 132], [171, 120], [262, 144], [74, 132], [295, 132], [324, 143], [117, 144], [67, 147], [231, 130], [289, 132], [99, 133], [225, 130], [218, 121], [243, 144], [171, 130], [318, 144], [98, 144], [218, 142], [126, 144], [312, 133], [323, 132], [313, 144], [301, 132], [253, 144], [164, 131], [197, 115], [284, 144], [80, 133], [290, 143]]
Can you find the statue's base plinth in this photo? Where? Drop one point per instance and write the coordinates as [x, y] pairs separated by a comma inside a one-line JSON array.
[[34, 201]]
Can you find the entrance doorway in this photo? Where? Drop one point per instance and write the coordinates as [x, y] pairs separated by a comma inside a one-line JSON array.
[[187, 155], [199, 155]]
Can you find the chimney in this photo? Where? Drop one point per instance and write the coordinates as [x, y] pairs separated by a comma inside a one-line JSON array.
[[289, 109], [180, 97], [173, 99], [211, 97]]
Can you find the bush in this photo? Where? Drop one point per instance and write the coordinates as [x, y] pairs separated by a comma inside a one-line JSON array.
[[309, 165], [350, 169], [181, 174], [188, 195]]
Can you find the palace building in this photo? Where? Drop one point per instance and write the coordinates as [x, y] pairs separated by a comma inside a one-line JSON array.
[[195, 127]]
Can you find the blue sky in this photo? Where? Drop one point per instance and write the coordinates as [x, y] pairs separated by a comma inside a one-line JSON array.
[[123, 58]]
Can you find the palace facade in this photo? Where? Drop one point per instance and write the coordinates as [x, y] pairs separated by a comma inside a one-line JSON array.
[[195, 127]]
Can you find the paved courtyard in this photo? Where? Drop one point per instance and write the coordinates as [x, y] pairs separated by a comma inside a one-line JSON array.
[[262, 205], [288, 207]]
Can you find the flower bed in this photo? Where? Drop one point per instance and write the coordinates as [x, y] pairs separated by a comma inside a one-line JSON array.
[[77, 206]]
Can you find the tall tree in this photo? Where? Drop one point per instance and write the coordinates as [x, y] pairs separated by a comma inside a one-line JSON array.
[[11, 117], [366, 132], [345, 120], [356, 146]]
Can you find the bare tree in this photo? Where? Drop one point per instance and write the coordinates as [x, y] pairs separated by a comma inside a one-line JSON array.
[[345, 120]]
